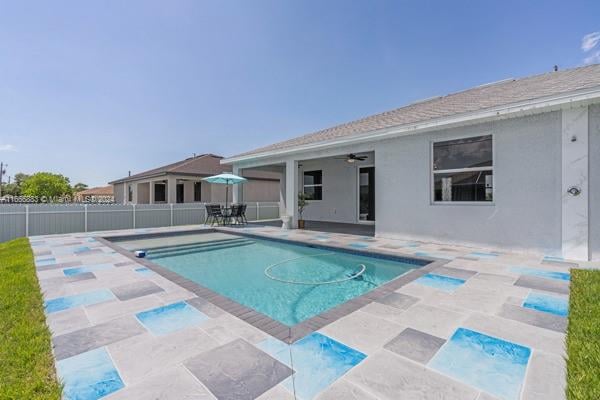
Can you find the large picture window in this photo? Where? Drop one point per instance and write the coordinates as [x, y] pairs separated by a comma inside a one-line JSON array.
[[463, 170], [160, 192], [313, 185]]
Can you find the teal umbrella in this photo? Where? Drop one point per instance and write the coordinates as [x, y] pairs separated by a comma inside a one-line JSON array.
[[225, 179]]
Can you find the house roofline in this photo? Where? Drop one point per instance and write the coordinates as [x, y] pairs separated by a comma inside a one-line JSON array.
[[534, 106]]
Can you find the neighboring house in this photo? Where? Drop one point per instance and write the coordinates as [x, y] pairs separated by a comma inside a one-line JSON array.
[[181, 182], [103, 194], [513, 164]]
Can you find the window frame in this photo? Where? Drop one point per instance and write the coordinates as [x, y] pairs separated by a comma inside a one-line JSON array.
[[432, 172], [314, 185], [164, 185]]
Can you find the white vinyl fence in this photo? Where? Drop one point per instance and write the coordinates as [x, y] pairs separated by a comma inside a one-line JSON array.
[[17, 220]]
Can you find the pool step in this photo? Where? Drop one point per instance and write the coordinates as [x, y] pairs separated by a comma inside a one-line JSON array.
[[198, 249], [195, 244]]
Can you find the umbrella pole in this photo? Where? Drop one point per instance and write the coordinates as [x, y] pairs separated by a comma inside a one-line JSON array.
[[226, 194]]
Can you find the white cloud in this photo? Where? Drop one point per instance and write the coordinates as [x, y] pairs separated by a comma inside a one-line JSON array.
[[590, 41], [594, 58], [7, 147]]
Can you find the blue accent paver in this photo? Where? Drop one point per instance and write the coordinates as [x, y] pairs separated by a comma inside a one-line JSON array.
[[546, 303], [317, 359], [87, 268], [482, 254], [82, 299], [43, 261], [171, 318], [358, 245], [434, 255], [144, 271], [89, 376], [440, 282], [493, 365], [562, 276]]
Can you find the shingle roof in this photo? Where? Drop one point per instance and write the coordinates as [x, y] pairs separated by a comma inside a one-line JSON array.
[[97, 191], [202, 165], [476, 99]]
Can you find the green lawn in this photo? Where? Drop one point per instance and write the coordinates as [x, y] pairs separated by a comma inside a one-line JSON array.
[[583, 337], [26, 362]]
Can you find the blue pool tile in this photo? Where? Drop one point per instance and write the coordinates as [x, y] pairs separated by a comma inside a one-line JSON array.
[[547, 303], [89, 376], [81, 249], [77, 300], [88, 268], [40, 262], [554, 259], [144, 271], [561, 276], [488, 363], [359, 245], [440, 282], [171, 318], [317, 359]]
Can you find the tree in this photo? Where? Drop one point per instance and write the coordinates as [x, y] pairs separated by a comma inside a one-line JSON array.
[[46, 184], [78, 187]]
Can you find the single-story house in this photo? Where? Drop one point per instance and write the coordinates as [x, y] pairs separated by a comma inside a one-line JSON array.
[[181, 182], [513, 164], [101, 194]]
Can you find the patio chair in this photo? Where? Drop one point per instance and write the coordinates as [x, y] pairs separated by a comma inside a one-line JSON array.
[[214, 214], [238, 213]]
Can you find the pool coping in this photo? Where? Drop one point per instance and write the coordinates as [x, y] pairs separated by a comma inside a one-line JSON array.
[[285, 333]]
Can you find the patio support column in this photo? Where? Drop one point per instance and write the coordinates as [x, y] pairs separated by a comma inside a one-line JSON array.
[[151, 194], [135, 193], [291, 191], [575, 187], [236, 190], [171, 190]]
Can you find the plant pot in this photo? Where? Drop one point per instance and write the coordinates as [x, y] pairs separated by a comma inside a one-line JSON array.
[[300, 224]]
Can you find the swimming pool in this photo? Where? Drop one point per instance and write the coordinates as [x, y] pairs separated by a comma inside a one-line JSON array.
[[288, 282]]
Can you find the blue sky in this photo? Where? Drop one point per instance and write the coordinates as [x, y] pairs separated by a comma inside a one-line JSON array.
[[93, 89]]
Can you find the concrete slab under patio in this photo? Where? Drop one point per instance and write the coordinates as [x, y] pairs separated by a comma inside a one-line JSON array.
[[207, 358]]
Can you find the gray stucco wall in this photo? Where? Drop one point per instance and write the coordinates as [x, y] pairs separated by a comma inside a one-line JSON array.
[[594, 143], [119, 193], [526, 213]]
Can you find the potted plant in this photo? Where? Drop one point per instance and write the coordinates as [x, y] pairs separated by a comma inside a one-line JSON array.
[[302, 202]]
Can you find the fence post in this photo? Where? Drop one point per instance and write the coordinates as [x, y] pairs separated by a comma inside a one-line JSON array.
[[257, 211], [171, 204], [26, 220], [85, 218], [133, 205]]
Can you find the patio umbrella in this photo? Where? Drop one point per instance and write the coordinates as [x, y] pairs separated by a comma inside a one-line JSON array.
[[225, 179]]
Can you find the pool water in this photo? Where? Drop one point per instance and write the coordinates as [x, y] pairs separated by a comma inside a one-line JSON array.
[[234, 266]]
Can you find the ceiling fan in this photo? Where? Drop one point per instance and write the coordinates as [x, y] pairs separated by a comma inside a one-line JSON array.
[[352, 158]]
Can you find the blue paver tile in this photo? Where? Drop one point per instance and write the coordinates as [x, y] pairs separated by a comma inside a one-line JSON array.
[[547, 303], [493, 365], [89, 376], [87, 268], [562, 276], [440, 282], [171, 318], [82, 299], [144, 271], [317, 359]]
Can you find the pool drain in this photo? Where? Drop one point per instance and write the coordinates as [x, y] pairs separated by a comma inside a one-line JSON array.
[[348, 277]]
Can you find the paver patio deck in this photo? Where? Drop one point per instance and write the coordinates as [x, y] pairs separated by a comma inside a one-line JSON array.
[[396, 335]]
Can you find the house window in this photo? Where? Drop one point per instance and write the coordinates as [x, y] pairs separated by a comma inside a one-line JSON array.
[[197, 191], [160, 192], [130, 193], [313, 185], [463, 170]]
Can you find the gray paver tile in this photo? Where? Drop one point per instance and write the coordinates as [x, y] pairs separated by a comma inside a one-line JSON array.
[[67, 321], [136, 289], [433, 320], [237, 371], [391, 377], [546, 377], [278, 392], [416, 345], [342, 389], [398, 300], [533, 317], [495, 277], [76, 342], [206, 307], [549, 285]]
